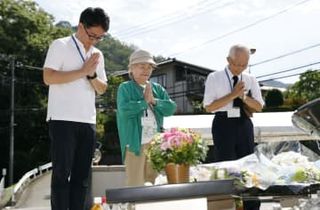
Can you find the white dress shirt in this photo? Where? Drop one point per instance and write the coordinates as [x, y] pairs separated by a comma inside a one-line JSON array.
[[220, 83]]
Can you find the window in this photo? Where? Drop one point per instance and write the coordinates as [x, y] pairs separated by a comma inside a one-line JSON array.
[[180, 73], [161, 79]]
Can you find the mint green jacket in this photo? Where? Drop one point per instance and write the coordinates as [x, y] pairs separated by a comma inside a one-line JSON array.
[[130, 108]]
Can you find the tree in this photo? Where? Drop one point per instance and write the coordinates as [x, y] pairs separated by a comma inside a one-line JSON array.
[[306, 89], [25, 33], [26, 30], [116, 53], [109, 130], [64, 24], [274, 98], [159, 59]]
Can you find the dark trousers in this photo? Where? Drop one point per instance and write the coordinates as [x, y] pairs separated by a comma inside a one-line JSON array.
[[72, 146], [233, 137]]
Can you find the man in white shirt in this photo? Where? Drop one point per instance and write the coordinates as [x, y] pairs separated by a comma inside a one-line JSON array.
[[231, 94], [74, 70], [232, 129]]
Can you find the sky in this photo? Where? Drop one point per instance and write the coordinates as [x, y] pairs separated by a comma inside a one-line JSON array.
[[285, 33]]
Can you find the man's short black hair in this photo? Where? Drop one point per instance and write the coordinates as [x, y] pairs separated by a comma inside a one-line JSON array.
[[91, 17]]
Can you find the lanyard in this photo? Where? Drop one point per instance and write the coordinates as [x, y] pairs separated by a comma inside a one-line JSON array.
[[79, 51], [231, 86]]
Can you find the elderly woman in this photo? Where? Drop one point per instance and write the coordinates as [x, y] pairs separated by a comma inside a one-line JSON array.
[[141, 106]]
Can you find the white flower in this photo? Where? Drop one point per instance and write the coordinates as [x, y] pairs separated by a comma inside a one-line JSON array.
[[161, 179], [199, 173], [291, 159]]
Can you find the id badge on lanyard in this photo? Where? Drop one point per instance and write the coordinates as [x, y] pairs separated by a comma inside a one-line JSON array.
[[147, 121], [234, 112]]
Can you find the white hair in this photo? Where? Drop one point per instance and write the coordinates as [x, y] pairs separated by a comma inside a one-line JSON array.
[[238, 48]]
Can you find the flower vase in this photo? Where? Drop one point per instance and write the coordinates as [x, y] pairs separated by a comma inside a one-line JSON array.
[[177, 173]]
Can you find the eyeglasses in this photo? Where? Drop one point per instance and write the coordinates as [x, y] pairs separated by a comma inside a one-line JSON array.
[[93, 37]]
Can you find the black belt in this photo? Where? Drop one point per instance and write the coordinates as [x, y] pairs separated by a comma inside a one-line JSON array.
[[225, 114], [222, 114]]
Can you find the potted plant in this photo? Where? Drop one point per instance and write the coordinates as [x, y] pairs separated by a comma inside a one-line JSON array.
[[174, 151]]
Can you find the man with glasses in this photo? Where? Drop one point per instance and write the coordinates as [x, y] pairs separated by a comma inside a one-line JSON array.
[[74, 70], [230, 94]]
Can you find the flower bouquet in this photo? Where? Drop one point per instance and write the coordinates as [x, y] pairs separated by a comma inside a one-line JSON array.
[[178, 146]]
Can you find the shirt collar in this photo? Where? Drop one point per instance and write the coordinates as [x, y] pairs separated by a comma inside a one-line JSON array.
[[230, 73], [81, 45]]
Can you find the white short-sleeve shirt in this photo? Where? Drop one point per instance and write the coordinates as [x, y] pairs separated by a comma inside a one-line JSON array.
[[219, 84], [73, 101]]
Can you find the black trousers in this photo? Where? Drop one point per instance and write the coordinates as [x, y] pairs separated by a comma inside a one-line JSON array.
[[233, 137], [72, 146]]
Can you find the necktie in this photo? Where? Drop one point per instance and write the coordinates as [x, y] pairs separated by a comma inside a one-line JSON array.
[[237, 102], [235, 80]]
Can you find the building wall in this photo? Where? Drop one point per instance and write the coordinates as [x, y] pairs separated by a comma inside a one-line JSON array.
[[176, 89]]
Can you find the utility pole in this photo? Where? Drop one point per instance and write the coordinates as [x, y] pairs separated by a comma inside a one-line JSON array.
[[252, 51], [12, 64], [11, 159]]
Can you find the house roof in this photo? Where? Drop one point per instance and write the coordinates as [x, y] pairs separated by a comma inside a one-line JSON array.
[[263, 87], [186, 64], [118, 73], [171, 61]]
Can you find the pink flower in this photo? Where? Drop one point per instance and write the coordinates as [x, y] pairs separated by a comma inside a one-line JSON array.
[[165, 145], [175, 141], [176, 145]]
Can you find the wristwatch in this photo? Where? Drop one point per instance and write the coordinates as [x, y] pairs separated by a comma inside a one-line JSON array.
[[92, 77]]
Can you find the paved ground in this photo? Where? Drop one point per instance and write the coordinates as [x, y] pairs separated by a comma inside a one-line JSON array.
[[37, 196]]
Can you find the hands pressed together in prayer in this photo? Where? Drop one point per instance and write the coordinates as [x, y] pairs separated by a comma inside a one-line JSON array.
[[148, 95], [90, 65]]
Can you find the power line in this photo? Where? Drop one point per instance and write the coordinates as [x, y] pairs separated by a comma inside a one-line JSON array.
[[167, 19], [157, 27], [281, 77], [285, 55], [31, 67], [151, 22], [288, 70], [242, 28], [6, 79], [21, 81]]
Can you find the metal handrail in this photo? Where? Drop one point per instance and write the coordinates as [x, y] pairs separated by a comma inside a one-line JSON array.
[[25, 179], [1, 186], [45, 167], [30, 175]]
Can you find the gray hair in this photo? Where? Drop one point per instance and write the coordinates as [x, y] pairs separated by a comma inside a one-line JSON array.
[[238, 48]]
